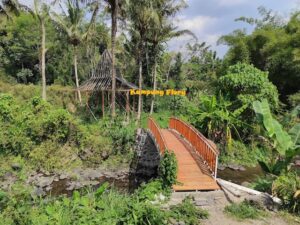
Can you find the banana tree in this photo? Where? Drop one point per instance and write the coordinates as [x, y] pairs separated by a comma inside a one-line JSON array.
[[216, 120], [285, 144]]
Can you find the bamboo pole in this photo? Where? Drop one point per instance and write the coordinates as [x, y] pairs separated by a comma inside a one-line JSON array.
[[127, 106], [103, 104]]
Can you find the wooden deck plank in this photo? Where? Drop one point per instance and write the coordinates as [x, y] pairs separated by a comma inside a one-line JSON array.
[[190, 175]]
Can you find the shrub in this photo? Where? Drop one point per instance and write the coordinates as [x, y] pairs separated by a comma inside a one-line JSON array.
[[263, 184], [168, 168], [294, 99], [122, 136], [244, 210], [150, 190], [242, 154], [287, 188], [244, 84], [51, 156], [188, 212]]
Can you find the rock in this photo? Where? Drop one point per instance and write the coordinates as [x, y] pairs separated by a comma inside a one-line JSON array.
[[56, 179], [63, 176], [181, 223], [93, 174], [16, 166], [38, 192], [44, 181], [172, 221], [201, 202], [297, 163], [241, 168], [262, 201], [104, 155], [245, 184], [221, 167], [74, 185], [47, 173], [233, 167], [48, 188]]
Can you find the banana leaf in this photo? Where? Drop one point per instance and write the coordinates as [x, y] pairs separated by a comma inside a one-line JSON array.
[[295, 134]]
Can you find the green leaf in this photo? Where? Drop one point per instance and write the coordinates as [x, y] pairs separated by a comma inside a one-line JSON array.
[[101, 189], [295, 134]]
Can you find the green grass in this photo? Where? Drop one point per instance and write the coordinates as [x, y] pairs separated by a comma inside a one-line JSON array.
[[188, 212], [104, 206], [244, 210]]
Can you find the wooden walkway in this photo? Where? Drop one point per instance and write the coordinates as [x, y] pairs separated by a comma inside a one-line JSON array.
[[192, 172]]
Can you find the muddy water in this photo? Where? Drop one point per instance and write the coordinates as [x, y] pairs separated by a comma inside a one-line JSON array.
[[236, 176]]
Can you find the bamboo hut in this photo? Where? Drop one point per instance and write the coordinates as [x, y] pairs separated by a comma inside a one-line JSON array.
[[100, 83]]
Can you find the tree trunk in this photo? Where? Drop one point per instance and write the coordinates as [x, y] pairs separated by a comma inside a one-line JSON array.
[[114, 15], [140, 88], [154, 85], [76, 75], [43, 60]]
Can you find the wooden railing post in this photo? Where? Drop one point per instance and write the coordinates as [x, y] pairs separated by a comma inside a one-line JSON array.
[[157, 135]]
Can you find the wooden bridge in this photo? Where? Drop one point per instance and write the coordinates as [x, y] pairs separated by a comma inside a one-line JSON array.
[[196, 155]]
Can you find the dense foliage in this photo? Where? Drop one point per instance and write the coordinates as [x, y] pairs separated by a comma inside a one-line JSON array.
[[272, 46], [168, 169], [104, 206], [237, 102]]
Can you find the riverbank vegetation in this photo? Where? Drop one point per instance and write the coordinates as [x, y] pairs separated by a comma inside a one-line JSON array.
[[247, 102]]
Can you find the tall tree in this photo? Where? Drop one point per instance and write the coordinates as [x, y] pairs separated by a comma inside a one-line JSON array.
[[160, 34], [40, 12], [72, 23], [142, 16], [114, 8]]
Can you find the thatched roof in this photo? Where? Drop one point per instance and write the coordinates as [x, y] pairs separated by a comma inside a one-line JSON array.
[[100, 78]]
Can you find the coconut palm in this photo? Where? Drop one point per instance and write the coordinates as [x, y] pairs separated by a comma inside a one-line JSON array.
[[41, 12], [71, 22], [114, 11], [159, 35], [142, 16], [164, 31]]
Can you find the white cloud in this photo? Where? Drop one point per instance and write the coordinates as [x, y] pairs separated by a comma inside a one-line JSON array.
[[231, 2], [200, 26], [197, 23]]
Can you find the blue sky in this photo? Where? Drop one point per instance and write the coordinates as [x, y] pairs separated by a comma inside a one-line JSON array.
[[210, 19]]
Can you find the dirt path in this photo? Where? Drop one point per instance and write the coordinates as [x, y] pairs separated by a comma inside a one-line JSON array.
[[215, 202]]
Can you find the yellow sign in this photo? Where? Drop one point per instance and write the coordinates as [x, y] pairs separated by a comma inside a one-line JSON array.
[[158, 92]]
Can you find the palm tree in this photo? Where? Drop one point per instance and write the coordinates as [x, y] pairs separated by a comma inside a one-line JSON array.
[[164, 31], [71, 22], [114, 10], [142, 15], [161, 34], [40, 13]]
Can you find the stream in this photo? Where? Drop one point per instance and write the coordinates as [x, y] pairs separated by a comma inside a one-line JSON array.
[[248, 175]]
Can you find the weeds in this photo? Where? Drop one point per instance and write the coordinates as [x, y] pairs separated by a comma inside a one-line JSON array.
[[244, 210]]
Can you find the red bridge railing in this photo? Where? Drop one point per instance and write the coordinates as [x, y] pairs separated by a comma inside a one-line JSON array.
[[157, 135], [207, 150]]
